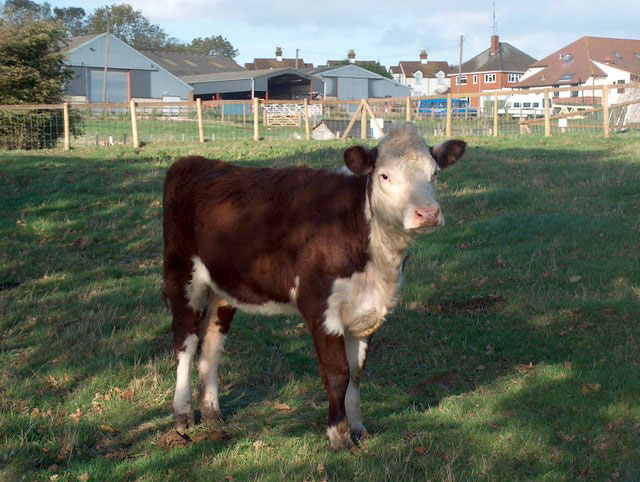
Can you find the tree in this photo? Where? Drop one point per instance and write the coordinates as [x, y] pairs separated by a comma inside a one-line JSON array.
[[214, 45], [33, 72], [128, 25], [20, 10], [374, 67], [73, 19]]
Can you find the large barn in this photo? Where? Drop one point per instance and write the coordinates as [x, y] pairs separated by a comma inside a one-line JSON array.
[[350, 82], [130, 74]]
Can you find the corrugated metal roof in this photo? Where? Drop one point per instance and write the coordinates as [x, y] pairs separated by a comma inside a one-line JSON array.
[[75, 42], [242, 75], [184, 65]]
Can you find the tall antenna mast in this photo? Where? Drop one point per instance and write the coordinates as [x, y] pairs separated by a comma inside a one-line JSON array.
[[495, 26]]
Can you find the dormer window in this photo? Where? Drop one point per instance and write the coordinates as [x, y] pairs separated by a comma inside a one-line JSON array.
[[617, 54], [418, 76], [567, 77]]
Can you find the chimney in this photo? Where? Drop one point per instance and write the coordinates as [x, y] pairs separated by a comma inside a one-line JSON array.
[[278, 54], [423, 56], [351, 56], [495, 44]]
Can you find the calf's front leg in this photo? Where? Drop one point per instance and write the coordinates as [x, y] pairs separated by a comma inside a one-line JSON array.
[[334, 366], [356, 350]]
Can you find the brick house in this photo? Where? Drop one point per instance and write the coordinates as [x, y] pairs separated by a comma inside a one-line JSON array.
[[278, 62], [499, 67], [423, 77], [587, 61]]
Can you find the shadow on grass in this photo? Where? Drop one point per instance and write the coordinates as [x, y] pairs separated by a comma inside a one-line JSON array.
[[87, 241]]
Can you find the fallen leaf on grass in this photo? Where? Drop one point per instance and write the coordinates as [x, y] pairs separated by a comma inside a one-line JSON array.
[[127, 395], [420, 450], [590, 387], [575, 279], [565, 437], [84, 477], [258, 443], [107, 428], [281, 407], [524, 368]]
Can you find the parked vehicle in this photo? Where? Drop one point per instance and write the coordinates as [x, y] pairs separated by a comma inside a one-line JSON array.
[[438, 108], [525, 105]]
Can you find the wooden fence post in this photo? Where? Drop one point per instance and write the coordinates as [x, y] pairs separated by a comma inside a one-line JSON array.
[[65, 118], [605, 110], [495, 115], [134, 124], [448, 125], [547, 120], [222, 111], [200, 123], [363, 123], [408, 116], [256, 128], [307, 129]]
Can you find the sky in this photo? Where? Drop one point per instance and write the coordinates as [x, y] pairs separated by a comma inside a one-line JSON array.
[[385, 30]]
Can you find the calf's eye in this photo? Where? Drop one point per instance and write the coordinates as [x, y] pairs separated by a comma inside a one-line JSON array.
[[384, 176]]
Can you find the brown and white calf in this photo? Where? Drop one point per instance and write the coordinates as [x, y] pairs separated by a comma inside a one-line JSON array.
[[328, 245]]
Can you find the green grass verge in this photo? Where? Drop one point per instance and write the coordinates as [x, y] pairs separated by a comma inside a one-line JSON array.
[[514, 355]]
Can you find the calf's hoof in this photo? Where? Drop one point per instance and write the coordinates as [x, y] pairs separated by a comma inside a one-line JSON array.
[[183, 421], [359, 436], [211, 416], [340, 437]]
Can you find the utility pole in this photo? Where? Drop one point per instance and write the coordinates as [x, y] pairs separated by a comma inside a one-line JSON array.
[[106, 61], [460, 63], [297, 50]]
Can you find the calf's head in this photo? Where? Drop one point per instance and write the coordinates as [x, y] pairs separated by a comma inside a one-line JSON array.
[[403, 170]]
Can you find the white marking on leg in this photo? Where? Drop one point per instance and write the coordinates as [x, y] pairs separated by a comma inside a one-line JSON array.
[[339, 437], [212, 345], [182, 397], [356, 349]]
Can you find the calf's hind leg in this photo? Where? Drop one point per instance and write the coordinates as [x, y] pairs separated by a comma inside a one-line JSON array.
[[214, 332]]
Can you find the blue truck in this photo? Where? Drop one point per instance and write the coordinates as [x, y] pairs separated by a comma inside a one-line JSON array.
[[438, 108]]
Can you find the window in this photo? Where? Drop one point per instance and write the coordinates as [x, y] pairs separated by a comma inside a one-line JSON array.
[[475, 79], [516, 104], [536, 104], [513, 78], [555, 92], [620, 91], [575, 93], [567, 77], [462, 80], [617, 54], [526, 105], [440, 77], [418, 76], [489, 78]]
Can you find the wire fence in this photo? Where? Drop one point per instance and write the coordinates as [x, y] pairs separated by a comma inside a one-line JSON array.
[[567, 111]]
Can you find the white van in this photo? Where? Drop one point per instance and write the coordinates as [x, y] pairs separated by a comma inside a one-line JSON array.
[[525, 105]]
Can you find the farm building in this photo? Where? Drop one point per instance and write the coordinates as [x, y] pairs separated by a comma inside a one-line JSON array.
[[130, 74], [274, 84], [423, 77], [499, 67], [350, 82], [587, 61]]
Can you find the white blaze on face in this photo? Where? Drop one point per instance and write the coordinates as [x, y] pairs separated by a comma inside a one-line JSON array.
[[404, 184]]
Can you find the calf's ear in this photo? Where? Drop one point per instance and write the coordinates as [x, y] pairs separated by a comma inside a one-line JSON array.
[[360, 160], [448, 152]]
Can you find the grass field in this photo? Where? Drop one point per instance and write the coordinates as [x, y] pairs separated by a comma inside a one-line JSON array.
[[514, 355]]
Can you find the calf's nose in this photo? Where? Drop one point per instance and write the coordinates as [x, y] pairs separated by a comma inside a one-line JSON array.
[[427, 216]]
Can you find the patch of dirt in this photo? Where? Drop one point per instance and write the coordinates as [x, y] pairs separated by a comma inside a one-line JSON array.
[[213, 435], [474, 306], [173, 439]]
